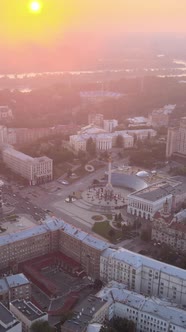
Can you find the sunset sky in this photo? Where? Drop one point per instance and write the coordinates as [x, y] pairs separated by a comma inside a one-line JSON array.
[[68, 21]]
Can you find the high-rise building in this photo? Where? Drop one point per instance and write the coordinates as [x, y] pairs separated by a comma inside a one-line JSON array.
[[3, 136], [109, 125], [176, 140]]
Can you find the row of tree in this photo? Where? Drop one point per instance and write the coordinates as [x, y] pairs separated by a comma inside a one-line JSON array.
[[148, 155], [118, 324]]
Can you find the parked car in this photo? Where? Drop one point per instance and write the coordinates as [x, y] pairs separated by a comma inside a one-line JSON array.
[[65, 182]]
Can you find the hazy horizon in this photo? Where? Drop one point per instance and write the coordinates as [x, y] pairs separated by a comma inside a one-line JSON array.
[[76, 34]]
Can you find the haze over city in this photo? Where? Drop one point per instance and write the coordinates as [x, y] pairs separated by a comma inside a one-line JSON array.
[[92, 166], [48, 39]]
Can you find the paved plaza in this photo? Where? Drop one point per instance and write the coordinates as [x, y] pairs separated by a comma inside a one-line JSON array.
[[98, 196], [22, 222]]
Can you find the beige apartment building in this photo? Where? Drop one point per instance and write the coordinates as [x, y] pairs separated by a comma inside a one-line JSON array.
[[21, 246], [35, 170], [170, 229], [83, 248], [148, 313], [143, 274], [30, 135], [139, 273], [54, 235], [173, 235], [176, 140], [14, 287]]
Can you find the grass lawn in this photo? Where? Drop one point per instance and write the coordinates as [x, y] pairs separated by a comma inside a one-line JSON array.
[[109, 216], [103, 228], [60, 169]]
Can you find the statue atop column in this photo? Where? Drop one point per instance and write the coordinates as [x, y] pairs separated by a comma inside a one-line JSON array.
[[109, 188]]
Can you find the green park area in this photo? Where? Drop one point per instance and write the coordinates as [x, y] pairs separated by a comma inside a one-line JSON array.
[[106, 231]]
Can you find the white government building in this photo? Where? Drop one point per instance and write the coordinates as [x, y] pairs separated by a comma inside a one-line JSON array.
[[143, 274], [148, 314], [35, 170], [105, 140]]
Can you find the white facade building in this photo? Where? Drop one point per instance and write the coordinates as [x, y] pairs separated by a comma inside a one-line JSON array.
[[103, 138], [141, 133], [27, 313], [78, 143], [8, 322], [143, 274], [146, 202], [35, 170], [148, 314], [109, 125], [138, 121], [91, 130], [104, 142]]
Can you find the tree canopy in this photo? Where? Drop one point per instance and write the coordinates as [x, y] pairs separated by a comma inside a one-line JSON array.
[[118, 324], [119, 141], [41, 326], [91, 146]]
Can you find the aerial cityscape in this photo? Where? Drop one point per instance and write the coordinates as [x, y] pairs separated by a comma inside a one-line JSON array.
[[92, 166]]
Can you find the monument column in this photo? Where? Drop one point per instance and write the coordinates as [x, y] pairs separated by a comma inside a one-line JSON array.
[[109, 170], [1, 195]]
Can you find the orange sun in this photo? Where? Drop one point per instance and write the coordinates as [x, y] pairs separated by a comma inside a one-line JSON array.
[[35, 7]]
